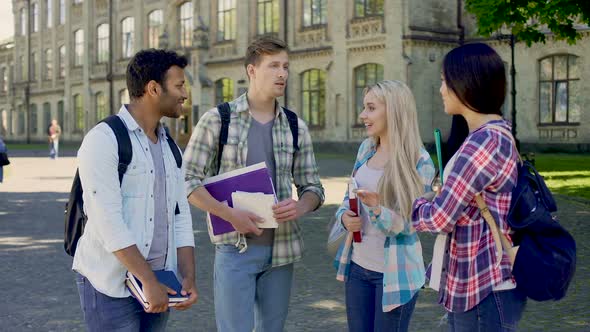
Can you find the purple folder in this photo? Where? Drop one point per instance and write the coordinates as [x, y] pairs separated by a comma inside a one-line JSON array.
[[253, 179]]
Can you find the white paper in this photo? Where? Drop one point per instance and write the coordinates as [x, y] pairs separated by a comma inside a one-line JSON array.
[[258, 203], [437, 260]]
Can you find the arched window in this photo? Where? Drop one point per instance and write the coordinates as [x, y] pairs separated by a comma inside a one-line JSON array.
[[78, 47], [559, 89], [268, 16], [62, 61], [155, 23], [48, 64], [101, 106], [224, 90], [78, 114], [123, 97], [186, 24], [127, 38], [35, 10], [34, 120], [102, 49], [60, 115], [49, 11], [364, 75], [3, 122], [313, 97], [226, 20], [314, 12], [46, 114]]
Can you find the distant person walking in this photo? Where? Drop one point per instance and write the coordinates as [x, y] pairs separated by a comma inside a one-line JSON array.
[[3, 158], [53, 132]]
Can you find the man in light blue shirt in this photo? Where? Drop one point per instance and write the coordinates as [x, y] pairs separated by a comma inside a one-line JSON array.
[[142, 224]]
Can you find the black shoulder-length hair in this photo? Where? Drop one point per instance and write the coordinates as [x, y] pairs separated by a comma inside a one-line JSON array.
[[476, 75]]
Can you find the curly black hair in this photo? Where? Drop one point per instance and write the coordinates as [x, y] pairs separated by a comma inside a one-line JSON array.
[[148, 65]]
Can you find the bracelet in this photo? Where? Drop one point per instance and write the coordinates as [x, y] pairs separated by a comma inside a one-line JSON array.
[[374, 211]]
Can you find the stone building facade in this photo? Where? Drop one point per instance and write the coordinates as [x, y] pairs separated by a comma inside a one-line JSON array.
[[68, 58]]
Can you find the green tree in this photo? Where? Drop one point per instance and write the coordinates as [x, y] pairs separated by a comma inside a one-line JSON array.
[[525, 18]]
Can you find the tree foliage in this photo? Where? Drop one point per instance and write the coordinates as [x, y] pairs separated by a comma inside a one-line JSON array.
[[526, 18]]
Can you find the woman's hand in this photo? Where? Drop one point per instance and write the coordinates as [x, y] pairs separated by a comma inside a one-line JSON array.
[[369, 198], [351, 221]]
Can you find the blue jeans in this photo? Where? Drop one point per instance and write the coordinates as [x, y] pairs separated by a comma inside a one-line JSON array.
[[499, 311], [249, 293], [105, 313], [364, 309]]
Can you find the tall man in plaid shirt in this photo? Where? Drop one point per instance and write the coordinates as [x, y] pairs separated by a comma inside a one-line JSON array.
[[252, 287]]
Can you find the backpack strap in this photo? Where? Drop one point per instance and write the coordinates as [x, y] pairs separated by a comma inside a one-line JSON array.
[[174, 149], [224, 113], [123, 143], [509, 134], [500, 241], [294, 126]]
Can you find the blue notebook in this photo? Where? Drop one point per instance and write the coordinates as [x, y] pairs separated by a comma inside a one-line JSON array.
[[167, 278], [252, 179]]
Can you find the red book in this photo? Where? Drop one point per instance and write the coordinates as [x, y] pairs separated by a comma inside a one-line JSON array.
[[354, 205]]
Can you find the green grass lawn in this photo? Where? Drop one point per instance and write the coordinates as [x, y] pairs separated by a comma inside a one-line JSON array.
[[566, 174]]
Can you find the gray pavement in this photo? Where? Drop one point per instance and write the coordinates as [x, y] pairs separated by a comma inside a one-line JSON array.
[[39, 292]]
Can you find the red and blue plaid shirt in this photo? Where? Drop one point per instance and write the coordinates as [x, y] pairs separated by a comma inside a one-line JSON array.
[[485, 163]]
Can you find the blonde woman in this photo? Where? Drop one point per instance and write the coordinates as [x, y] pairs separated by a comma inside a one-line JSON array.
[[384, 272]]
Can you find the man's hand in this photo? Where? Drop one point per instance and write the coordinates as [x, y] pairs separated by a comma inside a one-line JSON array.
[[188, 288], [245, 222], [157, 296], [351, 221], [286, 210]]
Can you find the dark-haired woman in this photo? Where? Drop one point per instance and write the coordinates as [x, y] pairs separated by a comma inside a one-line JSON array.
[[476, 285]]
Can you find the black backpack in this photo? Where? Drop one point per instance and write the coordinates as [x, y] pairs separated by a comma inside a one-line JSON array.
[[75, 219], [224, 113], [546, 259], [545, 262]]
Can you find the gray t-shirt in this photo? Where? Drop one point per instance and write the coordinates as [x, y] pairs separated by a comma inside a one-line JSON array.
[[260, 148], [157, 256]]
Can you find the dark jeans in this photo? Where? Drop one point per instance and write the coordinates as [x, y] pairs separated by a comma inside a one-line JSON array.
[[499, 311], [105, 313], [364, 293]]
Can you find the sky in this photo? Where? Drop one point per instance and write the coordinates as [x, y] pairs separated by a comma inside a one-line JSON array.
[[6, 19]]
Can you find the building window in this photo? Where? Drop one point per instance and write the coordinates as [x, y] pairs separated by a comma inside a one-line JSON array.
[[314, 12], [23, 22], [313, 97], [78, 114], [21, 120], [4, 118], [559, 90], [224, 90], [102, 33], [127, 39], [62, 12], [3, 79], [76, 2], [78, 47], [46, 114], [60, 114], [101, 106], [186, 24], [35, 10], [365, 75], [226, 20], [155, 22], [123, 97], [364, 8], [33, 123], [49, 11], [62, 61], [268, 16], [48, 64], [34, 66]]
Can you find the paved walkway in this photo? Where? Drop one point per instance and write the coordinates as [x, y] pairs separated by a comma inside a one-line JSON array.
[[39, 292]]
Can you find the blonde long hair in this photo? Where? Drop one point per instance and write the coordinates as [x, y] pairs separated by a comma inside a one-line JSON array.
[[400, 184]]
